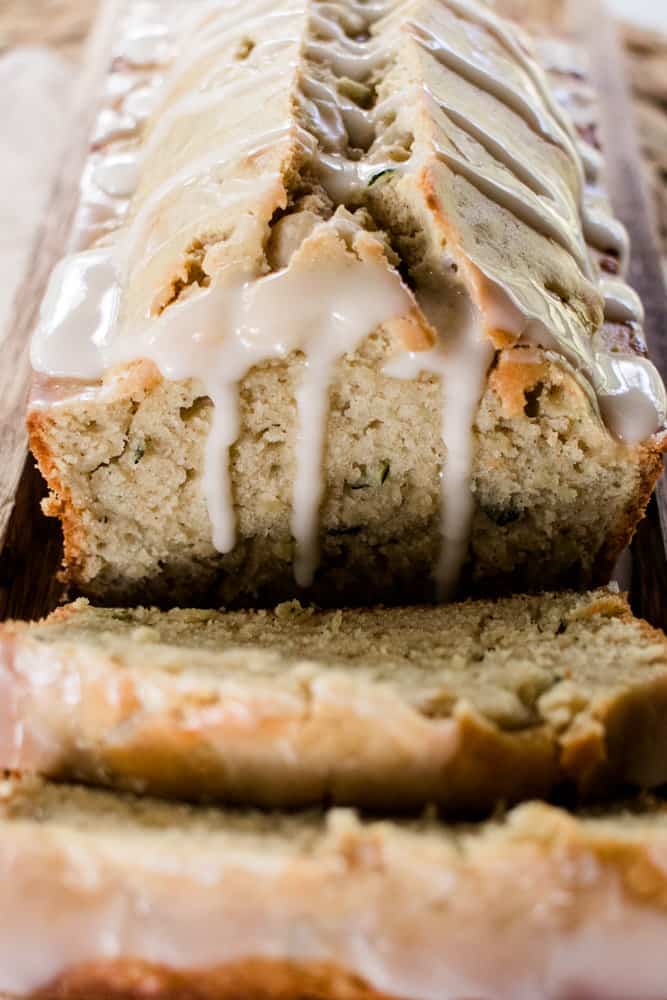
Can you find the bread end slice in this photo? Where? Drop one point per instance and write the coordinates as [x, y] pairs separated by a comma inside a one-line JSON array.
[[138, 898]]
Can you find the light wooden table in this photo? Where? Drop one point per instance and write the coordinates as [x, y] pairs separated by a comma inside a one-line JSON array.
[[62, 24]]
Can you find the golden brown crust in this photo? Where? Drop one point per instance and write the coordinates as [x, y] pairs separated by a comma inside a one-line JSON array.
[[411, 331], [59, 503], [137, 380], [650, 468], [610, 605], [516, 373], [251, 979]]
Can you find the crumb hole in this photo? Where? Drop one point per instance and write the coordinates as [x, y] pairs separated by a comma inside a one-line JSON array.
[[532, 407], [194, 274], [188, 413]]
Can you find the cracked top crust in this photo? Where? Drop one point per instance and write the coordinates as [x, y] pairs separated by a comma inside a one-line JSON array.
[[411, 111], [428, 110]]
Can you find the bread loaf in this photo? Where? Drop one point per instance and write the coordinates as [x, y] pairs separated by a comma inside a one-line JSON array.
[[354, 332]]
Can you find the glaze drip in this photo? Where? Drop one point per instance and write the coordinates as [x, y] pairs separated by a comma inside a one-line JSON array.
[[460, 360]]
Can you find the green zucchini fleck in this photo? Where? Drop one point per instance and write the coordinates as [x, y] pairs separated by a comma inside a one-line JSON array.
[[381, 173]]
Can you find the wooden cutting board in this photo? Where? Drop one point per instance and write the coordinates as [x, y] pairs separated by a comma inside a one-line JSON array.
[[30, 545]]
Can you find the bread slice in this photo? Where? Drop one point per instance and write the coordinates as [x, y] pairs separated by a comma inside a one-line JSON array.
[[360, 158], [463, 705], [115, 897]]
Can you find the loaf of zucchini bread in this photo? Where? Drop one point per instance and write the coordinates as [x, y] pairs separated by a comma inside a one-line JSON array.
[[345, 315], [112, 897]]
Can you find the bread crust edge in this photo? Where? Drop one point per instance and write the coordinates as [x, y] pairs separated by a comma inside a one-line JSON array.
[[250, 979]]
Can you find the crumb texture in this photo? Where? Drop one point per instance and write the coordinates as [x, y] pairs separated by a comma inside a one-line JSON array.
[[466, 706]]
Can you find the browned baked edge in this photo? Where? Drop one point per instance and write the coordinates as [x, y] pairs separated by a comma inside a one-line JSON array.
[[651, 468], [143, 376], [250, 979], [59, 503]]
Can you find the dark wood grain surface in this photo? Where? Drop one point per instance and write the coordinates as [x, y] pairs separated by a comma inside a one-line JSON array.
[[29, 543], [30, 547], [632, 205]]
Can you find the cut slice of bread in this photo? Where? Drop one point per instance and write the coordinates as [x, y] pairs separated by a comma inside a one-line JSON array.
[[114, 898], [463, 705]]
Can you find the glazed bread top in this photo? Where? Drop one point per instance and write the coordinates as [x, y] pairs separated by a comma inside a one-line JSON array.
[[170, 901], [321, 178]]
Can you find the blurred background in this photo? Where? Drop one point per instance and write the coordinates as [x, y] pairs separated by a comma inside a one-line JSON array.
[[652, 13], [41, 44]]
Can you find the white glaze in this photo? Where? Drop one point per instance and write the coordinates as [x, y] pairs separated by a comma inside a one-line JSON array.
[[202, 101], [77, 317], [621, 303], [592, 161], [477, 13], [345, 313], [225, 30], [618, 381], [219, 334], [112, 125], [602, 230], [536, 213], [233, 190], [631, 395], [118, 174], [460, 361], [145, 46], [472, 67], [141, 102]]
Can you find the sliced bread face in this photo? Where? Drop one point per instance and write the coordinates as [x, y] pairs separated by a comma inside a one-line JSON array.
[[465, 706], [114, 897]]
